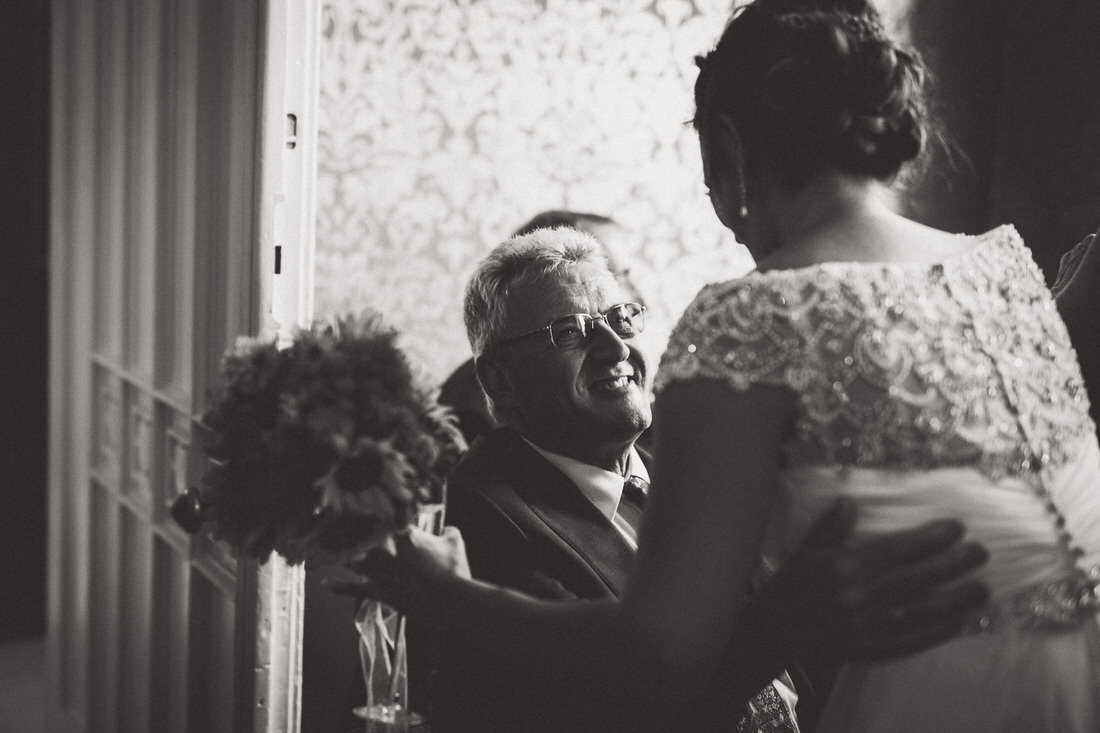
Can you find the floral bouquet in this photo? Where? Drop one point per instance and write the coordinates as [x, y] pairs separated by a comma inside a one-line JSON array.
[[323, 448], [320, 451]]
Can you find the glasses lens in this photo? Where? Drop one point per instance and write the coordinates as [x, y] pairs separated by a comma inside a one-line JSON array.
[[627, 319], [570, 330]]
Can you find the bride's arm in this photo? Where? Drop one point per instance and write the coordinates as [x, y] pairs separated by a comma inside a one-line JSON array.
[[713, 490]]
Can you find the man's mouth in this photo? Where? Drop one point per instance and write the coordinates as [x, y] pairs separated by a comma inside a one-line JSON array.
[[615, 384]]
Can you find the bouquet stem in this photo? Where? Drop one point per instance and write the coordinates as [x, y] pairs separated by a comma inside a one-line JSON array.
[[383, 654], [400, 662], [383, 651]]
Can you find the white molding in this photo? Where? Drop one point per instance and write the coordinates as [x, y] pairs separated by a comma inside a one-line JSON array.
[[285, 203], [293, 287], [287, 177], [279, 613]]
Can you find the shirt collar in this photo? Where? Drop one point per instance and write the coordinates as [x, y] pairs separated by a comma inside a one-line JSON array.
[[603, 488]]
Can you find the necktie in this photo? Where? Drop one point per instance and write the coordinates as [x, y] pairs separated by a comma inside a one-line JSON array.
[[632, 500], [634, 490], [767, 713]]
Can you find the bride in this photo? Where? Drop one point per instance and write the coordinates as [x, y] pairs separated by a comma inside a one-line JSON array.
[[921, 373]]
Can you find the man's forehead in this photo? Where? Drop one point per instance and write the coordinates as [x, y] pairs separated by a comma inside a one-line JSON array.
[[572, 289]]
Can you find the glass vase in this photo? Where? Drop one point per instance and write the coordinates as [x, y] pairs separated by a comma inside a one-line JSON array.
[[383, 654]]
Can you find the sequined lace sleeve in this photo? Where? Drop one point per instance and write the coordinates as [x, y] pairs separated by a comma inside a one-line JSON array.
[[903, 365], [742, 332]]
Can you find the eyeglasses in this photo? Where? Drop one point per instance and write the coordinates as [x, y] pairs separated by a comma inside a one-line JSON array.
[[625, 319]]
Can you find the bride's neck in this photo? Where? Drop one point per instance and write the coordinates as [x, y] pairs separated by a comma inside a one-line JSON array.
[[829, 207]]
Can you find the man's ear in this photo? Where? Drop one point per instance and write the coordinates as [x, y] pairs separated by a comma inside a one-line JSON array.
[[494, 379]]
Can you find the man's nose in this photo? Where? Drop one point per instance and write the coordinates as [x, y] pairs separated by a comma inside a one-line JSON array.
[[608, 344]]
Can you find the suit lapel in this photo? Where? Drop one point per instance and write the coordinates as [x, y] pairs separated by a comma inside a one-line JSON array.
[[595, 540], [568, 513]]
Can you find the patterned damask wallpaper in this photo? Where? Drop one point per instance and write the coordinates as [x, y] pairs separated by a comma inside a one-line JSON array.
[[445, 124]]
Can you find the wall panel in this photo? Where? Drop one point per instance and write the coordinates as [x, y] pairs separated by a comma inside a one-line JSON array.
[[104, 612], [169, 633], [135, 623], [153, 204], [110, 125], [210, 679], [444, 126], [143, 46]]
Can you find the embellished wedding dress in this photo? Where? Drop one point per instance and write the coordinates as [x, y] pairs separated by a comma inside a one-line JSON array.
[[933, 391]]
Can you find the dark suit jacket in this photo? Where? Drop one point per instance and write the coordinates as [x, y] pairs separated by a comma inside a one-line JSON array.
[[526, 526]]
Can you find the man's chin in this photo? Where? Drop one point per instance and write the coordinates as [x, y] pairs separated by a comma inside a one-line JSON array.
[[628, 421]]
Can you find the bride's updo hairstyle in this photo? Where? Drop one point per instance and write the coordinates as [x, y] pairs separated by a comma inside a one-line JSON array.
[[810, 85]]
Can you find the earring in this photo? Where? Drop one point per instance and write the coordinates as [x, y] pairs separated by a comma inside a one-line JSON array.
[[742, 185], [742, 194]]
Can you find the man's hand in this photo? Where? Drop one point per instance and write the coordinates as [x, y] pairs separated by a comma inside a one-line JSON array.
[[1074, 262], [886, 597], [1077, 294]]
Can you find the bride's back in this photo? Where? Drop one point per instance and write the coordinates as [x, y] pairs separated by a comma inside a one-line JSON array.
[[928, 390]]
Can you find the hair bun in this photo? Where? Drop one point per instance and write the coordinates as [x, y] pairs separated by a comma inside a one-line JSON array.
[[822, 81], [884, 99]]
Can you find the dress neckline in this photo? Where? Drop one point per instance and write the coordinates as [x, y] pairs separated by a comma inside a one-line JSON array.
[[982, 243]]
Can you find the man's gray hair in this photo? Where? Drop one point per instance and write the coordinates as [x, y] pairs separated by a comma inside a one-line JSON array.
[[522, 259]]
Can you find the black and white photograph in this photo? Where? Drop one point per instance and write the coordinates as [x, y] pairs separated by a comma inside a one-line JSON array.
[[550, 366]]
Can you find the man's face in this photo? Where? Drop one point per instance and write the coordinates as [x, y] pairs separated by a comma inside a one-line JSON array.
[[580, 399]]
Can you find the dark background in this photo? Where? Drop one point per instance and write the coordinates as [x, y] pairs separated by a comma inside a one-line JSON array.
[[1017, 84], [24, 319]]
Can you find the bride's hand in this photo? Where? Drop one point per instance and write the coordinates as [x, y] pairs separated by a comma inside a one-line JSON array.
[[412, 575]]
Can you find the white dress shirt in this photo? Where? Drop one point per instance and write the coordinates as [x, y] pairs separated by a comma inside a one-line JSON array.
[[601, 487]]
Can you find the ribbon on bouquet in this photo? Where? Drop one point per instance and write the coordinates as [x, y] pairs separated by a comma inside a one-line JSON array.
[[382, 650], [382, 653]]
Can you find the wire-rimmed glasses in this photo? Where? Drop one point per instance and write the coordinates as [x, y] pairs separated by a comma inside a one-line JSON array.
[[626, 320]]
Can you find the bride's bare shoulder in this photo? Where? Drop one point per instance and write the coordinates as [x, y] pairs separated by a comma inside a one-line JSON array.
[[898, 240]]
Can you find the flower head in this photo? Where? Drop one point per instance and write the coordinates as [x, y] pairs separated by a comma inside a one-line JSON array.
[[325, 446]]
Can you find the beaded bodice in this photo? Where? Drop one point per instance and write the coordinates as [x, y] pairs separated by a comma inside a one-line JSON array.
[[923, 374], [906, 366]]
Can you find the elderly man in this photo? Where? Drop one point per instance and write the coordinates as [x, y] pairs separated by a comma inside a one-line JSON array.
[[538, 500], [549, 503]]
